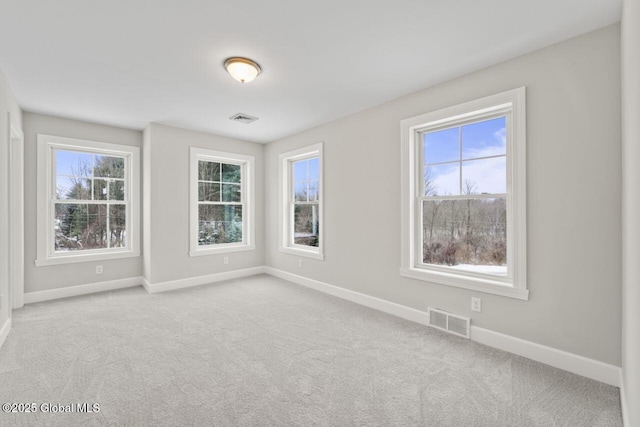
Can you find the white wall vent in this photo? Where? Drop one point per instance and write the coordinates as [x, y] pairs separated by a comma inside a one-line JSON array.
[[449, 322], [243, 118]]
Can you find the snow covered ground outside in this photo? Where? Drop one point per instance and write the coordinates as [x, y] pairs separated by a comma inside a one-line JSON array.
[[498, 270]]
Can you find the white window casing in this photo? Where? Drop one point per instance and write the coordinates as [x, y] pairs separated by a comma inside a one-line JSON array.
[[247, 185], [47, 146], [287, 202], [511, 105]]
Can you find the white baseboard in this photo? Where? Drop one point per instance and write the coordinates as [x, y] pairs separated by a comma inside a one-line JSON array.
[[623, 403], [153, 288], [590, 368], [73, 291], [376, 303], [594, 369], [4, 332], [146, 285]]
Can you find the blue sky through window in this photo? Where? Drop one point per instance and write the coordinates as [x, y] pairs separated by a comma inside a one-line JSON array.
[[445, 177], [300, 171], [308, 169], [442, 146], [306, 175], [314, 168], [479, 140], [486, 175], [74, 169], [70, 162], [484, 139]]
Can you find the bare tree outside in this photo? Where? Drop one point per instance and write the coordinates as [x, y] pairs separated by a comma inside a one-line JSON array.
[[463, 225], [306, 206], [219, 203], [84, 226], [470, 231]]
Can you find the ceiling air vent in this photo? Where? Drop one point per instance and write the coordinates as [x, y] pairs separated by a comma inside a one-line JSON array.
[[243, 118]]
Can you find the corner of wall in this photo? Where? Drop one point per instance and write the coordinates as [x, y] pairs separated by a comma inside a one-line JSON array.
[[630, 43], [146, 204], [9, 110]]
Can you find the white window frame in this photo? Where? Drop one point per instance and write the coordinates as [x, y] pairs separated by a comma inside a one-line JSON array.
[[247, 164], [46, 181], [286, 198], [511, 104]]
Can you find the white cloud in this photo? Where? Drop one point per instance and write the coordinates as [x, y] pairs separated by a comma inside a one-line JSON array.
[[489, 175], [446, 179], [501, 135]]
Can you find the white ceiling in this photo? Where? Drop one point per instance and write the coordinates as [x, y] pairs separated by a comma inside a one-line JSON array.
[[131, 62]]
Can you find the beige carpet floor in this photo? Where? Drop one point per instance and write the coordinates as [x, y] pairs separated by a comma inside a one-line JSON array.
[[265, 352]]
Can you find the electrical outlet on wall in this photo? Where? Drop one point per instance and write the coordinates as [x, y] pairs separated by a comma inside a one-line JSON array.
[[99, 269], [225, 260], [300, 263], [476, 304]]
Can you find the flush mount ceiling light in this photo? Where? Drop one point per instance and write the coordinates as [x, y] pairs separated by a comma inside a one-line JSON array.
[[242, 69]]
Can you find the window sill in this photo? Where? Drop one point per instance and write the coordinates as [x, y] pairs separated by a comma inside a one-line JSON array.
[[76, 258], [302, 252], [487, 286], [221, 250]]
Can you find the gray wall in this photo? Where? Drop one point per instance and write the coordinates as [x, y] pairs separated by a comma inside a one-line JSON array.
[[631, 210], [8, 105], [166, 205], [59, 276], [573, 164]]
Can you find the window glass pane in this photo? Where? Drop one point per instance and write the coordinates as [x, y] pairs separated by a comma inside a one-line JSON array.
[[306, 225], [116, 190], [231, 173], [484, 176], [208, 192], [100, 189], [484, 139], [442, 146], [314, 190], [73, 163], [208, 171], [108, 189], [468, 235], [442, 180], [80, 227], [118, 226], [231, 193], [314, 168], [300, 170], [300, 191], [219, 224], [68, 187], [108, 167]]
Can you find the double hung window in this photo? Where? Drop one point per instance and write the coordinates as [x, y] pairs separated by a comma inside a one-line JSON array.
[[88, 196], [301, 198], [221, 202], [464, 203]]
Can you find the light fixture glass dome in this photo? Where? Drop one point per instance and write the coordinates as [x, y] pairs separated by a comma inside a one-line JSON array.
[[242, 69]]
